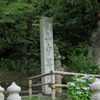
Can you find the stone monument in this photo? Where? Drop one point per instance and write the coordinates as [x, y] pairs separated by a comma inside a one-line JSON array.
[[47, 56]]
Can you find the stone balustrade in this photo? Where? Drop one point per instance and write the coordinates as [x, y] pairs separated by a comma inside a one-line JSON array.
[[13, 91]]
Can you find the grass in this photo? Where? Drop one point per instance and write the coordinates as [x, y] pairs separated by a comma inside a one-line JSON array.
[[7, 76], [3, 72]]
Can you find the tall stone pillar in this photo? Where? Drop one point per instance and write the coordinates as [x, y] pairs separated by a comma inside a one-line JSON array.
[[47, 56]]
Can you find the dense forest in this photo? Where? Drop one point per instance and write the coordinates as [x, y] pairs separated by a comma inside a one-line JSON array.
[[73, 22]]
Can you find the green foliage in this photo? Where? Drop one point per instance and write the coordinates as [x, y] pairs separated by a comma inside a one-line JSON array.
[[3, 72], [82, 64], [81, 48], [78, 89], [10, 63], [16, 21], [11, 9], [33, 98], [71, 20], [32, 64], [65, 47]]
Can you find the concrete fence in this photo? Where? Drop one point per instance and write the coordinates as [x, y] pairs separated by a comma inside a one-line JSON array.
[[13, 91]]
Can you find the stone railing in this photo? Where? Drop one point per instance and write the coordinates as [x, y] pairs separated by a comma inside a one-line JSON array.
[[13, 91]]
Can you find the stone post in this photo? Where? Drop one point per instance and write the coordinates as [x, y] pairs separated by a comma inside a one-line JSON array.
[[30, 88], [1, 93], [13, 91], [95, 88], [47, 56], [57, 60]]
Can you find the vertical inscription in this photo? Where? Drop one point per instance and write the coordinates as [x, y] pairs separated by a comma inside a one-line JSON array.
[[48, 30], [48, 78], [49, 63], [48, 50]]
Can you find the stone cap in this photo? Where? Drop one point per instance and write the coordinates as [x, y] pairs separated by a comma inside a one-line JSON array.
[[14, 88]]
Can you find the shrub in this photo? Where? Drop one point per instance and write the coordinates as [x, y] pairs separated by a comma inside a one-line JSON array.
[[82, 64], [10, 64], [79, 88]]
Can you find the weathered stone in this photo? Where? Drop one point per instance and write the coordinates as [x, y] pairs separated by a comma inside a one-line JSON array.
[[95, 88], [47, 56], [57, 60], [13, 91], [57, 54], [94, 43], [58, 77], [1, 93]]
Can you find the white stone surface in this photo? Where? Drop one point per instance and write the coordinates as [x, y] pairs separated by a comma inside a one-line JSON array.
[[47, 56], [1, 93], [14, 92], [95, 88]]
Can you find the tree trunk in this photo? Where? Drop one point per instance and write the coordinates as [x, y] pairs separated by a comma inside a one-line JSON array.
[[24, 67], [24, 60]]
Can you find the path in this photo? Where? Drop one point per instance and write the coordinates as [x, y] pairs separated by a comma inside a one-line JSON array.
[[25, 94], [46, 97]]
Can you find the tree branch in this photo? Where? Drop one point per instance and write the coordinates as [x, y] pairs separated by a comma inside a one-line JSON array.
[[7, 36]]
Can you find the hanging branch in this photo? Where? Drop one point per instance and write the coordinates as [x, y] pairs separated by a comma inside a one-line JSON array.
[[7, 36]]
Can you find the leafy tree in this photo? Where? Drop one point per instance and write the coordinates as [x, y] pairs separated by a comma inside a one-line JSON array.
[[19, 28], [17, 22]]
